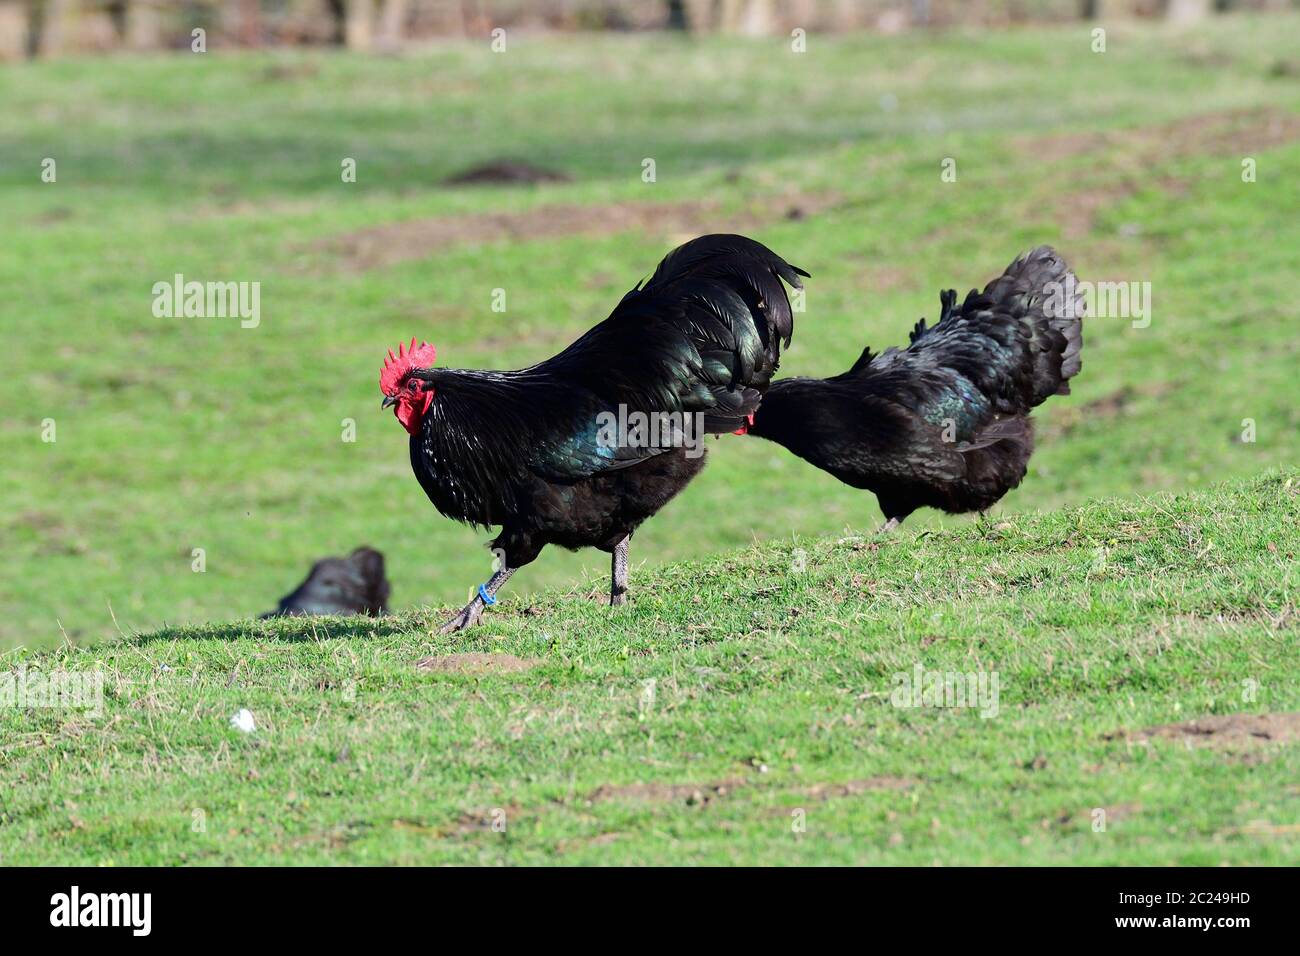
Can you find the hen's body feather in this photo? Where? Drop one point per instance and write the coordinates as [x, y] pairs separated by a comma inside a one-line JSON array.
[[943, 423]]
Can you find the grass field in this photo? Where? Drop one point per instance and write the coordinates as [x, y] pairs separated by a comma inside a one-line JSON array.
[[179, 434], [1137, 645], [176, 434]]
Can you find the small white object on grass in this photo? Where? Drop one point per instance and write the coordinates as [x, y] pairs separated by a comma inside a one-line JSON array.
[[243, 721]]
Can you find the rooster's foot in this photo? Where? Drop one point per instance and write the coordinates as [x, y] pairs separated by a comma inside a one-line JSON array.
[[470, 615], [472, 612], [618, 573]]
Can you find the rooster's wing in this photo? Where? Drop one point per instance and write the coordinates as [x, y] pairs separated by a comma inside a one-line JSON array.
[[702, 336]]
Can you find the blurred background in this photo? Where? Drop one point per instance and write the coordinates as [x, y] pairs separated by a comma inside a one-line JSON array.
[[382, 169], [60, 27]]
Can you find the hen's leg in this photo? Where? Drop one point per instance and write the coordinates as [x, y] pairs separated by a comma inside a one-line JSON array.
[[472, 612], [618, 573], [890, 525]]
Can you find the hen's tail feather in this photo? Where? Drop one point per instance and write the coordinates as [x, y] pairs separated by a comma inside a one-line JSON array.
[[1018, 342], [1041, 291]]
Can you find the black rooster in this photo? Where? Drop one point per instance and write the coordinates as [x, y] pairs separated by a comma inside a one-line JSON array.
[[351, 585], [943, 423], [535, 451]]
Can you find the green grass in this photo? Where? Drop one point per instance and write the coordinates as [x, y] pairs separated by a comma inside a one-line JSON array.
[[773, 671], [176, 434]]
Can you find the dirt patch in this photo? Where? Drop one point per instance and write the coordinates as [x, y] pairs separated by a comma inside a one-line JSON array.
[[821, 792], [1136, 151], [53, 216], [695, 795], [1113, 814], [1223, 732], [1236, 131], [55, 536], [879, 279], [692, 795], [1113, 405], [1262, 828], [1121, 811], [493, 820], [382, 246], [506, 172], [600, 839], [852, 788], [475, 662], [688, 794], [1284, 67], [1078, 211]]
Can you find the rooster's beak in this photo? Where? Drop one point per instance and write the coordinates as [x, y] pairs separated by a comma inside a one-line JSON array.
[[389, 402]]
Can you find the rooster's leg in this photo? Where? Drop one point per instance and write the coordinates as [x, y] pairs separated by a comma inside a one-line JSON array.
[[889, 525], [618, 573], [472, 612]]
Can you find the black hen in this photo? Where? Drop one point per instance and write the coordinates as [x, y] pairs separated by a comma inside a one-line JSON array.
[[943, 423], [351, 585], [539, 451]]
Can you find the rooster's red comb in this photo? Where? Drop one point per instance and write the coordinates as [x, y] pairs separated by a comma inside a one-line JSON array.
[[407, 358]]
